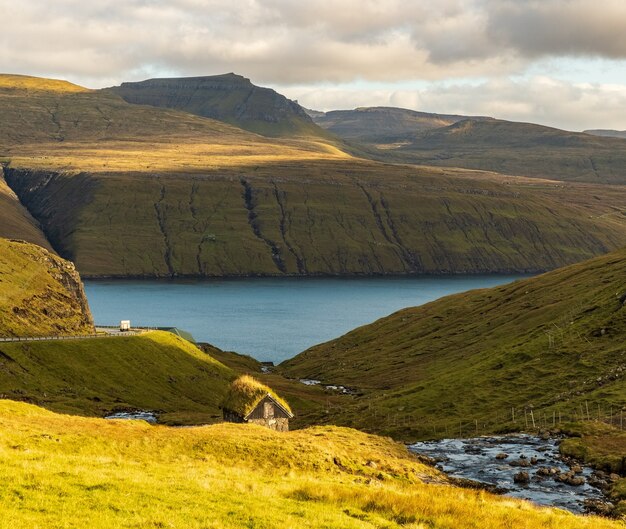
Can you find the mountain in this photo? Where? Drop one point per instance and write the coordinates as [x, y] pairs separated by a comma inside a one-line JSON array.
[[229, 98], [105, 474], [607, 133], [376, 125], [549, 344], [400, 136], [128, 190], [40, 293]]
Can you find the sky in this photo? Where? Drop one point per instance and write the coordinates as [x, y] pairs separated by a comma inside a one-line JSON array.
[[556, 62]]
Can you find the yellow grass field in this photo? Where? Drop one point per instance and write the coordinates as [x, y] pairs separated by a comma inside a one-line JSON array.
[[60, 472]]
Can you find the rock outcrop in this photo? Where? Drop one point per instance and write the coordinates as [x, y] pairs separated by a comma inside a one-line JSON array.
[[230, 98], [40, 293]]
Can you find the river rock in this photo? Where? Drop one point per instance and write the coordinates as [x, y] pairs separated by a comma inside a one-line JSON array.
[[614, 478], [543, 471], [533, 460], [597, 481], [521, 477], [520, 463], [502, 455], [577, 469], [570, 479]]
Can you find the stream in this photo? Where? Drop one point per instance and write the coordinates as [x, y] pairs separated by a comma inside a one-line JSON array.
[[482, 459]]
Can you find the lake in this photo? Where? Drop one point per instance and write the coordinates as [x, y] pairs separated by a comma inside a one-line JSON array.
[[271, 319]]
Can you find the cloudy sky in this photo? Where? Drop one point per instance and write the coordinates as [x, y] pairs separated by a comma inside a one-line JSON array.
[[556, 62]]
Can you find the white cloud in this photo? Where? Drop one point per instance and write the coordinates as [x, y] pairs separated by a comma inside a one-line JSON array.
[[295, 43], [288, 41]]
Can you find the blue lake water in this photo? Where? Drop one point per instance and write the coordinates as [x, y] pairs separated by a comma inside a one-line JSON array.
[[269, 319]]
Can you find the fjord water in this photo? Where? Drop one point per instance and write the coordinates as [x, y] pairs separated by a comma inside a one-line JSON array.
[[270, 319]]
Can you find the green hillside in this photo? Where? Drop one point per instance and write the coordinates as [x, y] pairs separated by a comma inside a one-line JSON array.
[[40, 293], [155, 371], [131, 190], [65, 471], [397, 135], [230, 98], [334, 217], [553, 344]]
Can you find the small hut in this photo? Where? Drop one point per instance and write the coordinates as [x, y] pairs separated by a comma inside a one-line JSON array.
[[250, 401]]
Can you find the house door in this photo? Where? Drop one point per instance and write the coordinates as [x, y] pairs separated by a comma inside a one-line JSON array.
[[268, 410]]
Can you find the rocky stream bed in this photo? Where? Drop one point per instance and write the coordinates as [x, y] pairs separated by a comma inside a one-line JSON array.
[[521, 466]]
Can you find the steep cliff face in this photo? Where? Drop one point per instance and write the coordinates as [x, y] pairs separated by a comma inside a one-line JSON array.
[[319, 219], [230, 98], [16, 222], [40, 293], [55, 200]]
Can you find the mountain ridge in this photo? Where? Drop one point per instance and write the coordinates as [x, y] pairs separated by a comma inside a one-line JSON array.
[[508, 147], [207, 199], [231, 98]]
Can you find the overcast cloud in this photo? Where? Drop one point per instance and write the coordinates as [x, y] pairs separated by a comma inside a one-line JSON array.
[[473, 55]]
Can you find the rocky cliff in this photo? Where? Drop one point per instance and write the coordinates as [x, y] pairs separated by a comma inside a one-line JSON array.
[[230, 98], [40, 293]]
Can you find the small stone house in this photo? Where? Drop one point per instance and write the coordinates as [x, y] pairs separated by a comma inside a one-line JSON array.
[[249, 401]]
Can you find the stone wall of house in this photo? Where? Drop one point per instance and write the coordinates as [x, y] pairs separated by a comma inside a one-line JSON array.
[[279, 424]]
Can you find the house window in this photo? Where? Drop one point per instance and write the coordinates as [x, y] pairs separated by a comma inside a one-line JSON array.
[[268, 410]]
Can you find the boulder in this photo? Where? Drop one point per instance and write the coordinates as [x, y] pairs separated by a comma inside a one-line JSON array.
[[521, 477]]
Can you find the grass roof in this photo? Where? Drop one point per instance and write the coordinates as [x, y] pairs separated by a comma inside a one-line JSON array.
[[246, 392]]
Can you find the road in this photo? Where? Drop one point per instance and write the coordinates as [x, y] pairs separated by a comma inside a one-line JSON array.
[[101, 332]]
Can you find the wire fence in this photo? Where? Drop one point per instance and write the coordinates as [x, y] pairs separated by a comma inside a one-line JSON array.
[[522, 418]]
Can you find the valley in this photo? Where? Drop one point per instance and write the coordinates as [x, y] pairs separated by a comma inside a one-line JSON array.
[[195, 178]]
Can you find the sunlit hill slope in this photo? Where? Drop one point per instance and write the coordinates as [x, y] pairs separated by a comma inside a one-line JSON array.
[[66, 471], [461, 364], [132, 190]]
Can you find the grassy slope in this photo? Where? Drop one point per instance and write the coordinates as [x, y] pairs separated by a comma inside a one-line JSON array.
[[534, 344], [497, 145], [65, 471], [156, 371], [323, 217], [40, 293], [15, 220], [204, 198], [230, 98], [604, 447]]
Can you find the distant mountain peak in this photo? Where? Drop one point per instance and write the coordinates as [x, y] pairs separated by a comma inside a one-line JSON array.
[[228, 97]]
